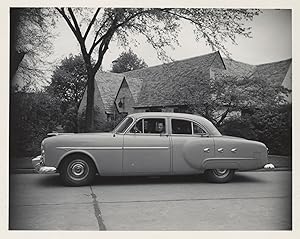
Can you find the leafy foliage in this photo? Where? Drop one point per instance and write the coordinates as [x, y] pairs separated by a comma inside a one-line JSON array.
[[68, 84], [217, 97], [128, 61], [30, 42], [270, 125], [32, 116]]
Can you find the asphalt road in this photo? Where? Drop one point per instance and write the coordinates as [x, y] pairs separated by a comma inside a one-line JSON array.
[[252, 201]]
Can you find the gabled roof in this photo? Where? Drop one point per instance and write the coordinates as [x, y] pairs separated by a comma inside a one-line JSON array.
[[160, 82], [274, 72], [238, 68], [135, 86], [108, 85], [179, 82]]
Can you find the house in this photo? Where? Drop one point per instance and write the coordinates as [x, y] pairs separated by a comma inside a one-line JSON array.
[[171, 87]]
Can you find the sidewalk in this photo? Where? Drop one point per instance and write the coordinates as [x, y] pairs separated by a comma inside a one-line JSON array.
[[23, 165]]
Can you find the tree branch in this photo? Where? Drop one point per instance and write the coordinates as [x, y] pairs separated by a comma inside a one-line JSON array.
[[91, 23], [62, 12], [75, 23]]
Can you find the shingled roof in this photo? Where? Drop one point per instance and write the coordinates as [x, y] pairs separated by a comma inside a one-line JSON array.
[[135, 86], [172, 84], [274, 72], [238, 68], [160, 82], [108, 85]]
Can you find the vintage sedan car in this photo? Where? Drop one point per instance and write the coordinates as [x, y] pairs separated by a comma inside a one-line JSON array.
[[150, 143]]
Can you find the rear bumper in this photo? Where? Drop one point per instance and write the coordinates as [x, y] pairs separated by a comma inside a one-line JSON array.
[[40, 168]]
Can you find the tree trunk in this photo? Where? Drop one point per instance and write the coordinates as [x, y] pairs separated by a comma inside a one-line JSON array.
[[89, 113], [224, 115]]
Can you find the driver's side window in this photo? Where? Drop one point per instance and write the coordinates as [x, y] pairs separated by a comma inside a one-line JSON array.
[[149, 126], [137, 128]]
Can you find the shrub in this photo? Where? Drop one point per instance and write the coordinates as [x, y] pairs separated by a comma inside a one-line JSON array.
[[271, 126], [32, 116]]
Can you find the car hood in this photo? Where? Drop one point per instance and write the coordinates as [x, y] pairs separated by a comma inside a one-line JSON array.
[[77, 138]]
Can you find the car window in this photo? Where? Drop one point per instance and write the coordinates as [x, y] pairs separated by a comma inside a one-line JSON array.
[[149, 126], [198, 129], [124, 125], [137, 128], [181, 126], [154, 126]]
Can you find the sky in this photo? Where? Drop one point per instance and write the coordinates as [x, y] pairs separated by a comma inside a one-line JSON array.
[[271, 41]]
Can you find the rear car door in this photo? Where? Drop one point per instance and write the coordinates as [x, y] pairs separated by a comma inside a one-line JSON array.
[[191, 145]]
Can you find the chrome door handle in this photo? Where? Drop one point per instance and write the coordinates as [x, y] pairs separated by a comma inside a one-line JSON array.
[[206, 150], [234, 150], [221, 150]]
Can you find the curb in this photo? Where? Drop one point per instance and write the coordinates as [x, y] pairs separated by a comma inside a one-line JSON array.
[[22, 171], [271, 170], [32, 171]]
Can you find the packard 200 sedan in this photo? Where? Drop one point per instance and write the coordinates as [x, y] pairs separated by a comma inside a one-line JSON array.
[[150, 144]]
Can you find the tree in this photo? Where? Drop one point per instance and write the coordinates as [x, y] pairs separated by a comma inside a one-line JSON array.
[[270, 125], [215, 98], [32, 117], [30, 41], [128, 61], [68, 84], [159, 26]]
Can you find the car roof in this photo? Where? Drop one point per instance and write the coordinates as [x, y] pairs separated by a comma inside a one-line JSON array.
[[205, 122], [165, 114]]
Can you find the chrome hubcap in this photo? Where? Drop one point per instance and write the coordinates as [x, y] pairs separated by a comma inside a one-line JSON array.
[[78, 169], [221, 173]]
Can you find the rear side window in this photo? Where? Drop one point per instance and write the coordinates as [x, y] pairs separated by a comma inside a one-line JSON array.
[[181, 126], [198, 130]]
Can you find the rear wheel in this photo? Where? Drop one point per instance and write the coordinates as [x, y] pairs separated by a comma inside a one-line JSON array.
[[77, 170], [219, 175]]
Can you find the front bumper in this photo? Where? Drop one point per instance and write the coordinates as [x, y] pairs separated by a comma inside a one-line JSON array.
[[39, 166]]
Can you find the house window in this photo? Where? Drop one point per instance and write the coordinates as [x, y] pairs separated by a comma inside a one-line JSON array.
[[181, 109], [154, 109]]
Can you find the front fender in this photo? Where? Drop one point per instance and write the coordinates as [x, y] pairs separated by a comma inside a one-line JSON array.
[[78, 151]]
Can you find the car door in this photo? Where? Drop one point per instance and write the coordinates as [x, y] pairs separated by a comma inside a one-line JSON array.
[[191, 145], [145, 149]]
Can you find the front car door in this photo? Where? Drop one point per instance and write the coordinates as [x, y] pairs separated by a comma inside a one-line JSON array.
[[146, 147]]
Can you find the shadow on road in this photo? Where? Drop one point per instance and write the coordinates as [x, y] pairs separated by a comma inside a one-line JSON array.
[[54, 180]]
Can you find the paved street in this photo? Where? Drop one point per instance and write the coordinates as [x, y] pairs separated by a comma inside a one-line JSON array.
[[252, 201]]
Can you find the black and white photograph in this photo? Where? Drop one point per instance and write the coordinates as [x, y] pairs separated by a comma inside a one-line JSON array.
[[150, 118]]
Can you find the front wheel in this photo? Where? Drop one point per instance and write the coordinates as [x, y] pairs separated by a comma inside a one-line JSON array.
[[219, 175], [77, 170]]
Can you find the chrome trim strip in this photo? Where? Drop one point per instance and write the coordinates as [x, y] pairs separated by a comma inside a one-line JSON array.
[[110, 148], [92, 148], [146, 147]]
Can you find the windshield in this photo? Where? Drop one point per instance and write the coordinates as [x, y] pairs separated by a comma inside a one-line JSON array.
[[123, 125]]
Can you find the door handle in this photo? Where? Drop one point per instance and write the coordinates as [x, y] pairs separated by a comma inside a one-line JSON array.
[[234, 150], [221, 150], [206, 150]]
